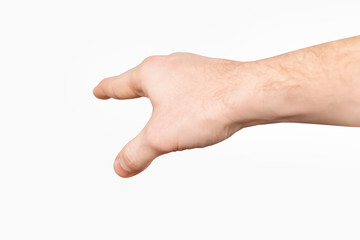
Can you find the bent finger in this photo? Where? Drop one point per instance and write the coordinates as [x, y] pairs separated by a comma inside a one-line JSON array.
[[135, 157], [123, 86]]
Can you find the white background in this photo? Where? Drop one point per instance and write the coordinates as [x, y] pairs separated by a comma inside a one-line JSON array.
[[58, 143]]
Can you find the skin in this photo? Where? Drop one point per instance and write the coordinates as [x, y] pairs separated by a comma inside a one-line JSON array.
[[199, 101]]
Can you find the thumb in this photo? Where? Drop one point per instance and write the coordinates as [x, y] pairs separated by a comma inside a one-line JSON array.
[[135, 157]]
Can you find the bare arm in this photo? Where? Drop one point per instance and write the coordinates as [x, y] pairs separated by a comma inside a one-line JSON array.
[[319, 84], [199, 101]]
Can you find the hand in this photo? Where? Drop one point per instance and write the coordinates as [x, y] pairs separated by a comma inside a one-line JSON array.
[[193, 100], [199, 101]]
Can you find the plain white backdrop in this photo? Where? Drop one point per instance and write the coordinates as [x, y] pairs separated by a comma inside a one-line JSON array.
[[58, 143]]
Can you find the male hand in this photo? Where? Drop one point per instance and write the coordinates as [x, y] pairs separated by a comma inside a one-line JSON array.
[[195, 103]]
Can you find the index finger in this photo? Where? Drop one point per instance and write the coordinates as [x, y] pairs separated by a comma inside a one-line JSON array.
[[123, 86]]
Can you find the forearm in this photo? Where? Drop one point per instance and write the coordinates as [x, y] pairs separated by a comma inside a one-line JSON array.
[[319, 84]]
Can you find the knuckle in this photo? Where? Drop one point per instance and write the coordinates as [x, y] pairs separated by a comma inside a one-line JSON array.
[[181, 55], [152, 60], [107, 86], [149, 64], [177, 54], [106, 81], [129, 159]]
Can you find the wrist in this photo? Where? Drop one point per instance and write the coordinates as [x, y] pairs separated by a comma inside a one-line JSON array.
[[282, 90], [272, 94]]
